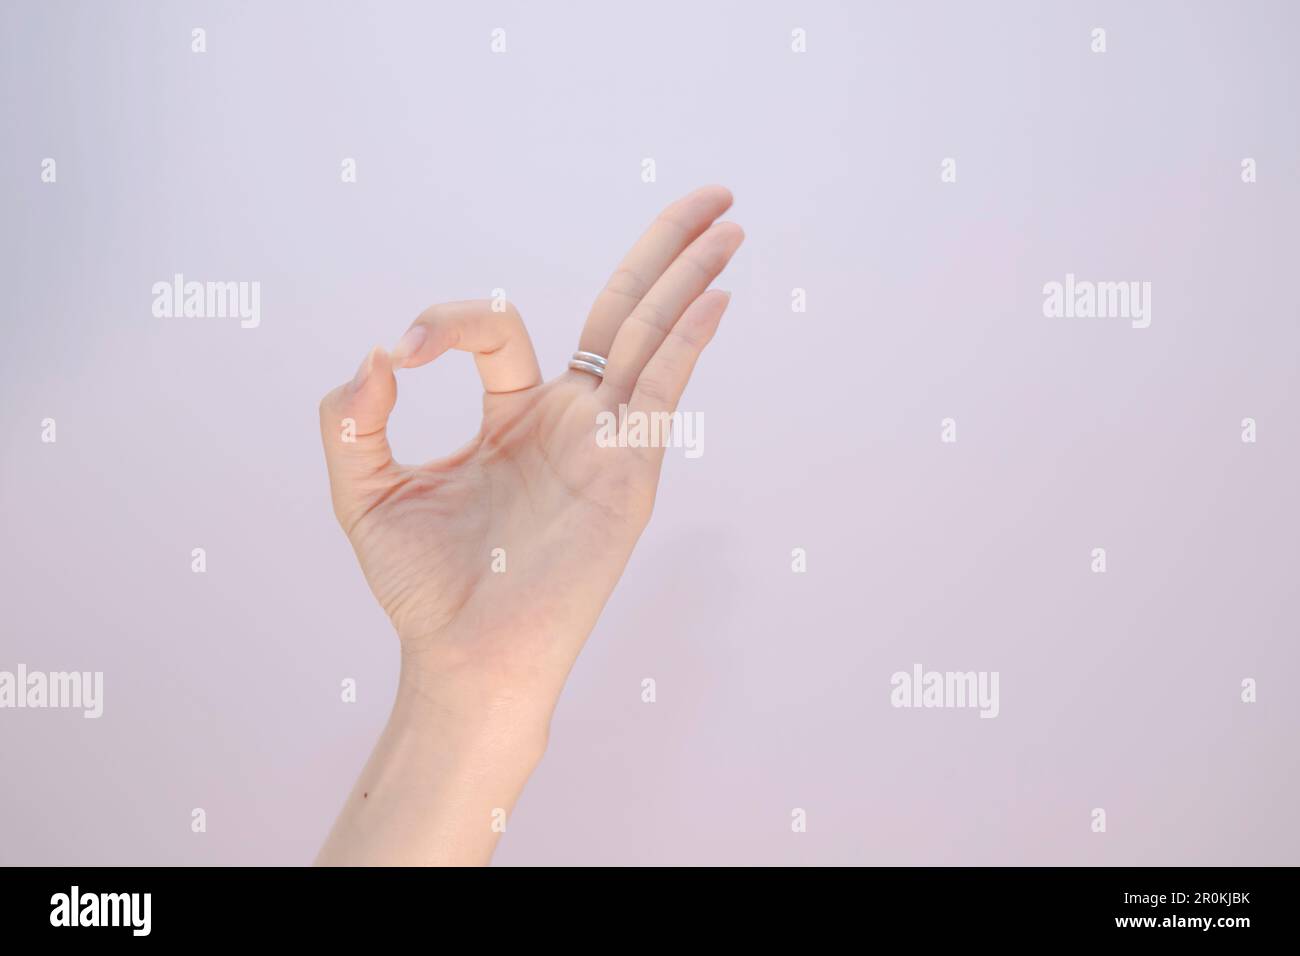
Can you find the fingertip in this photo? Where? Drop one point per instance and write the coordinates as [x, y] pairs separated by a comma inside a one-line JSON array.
[[731, 230], [722, 299], [702, 205], [706, 313], [408, 345], [376, 367], [363, 371], [723, 195]]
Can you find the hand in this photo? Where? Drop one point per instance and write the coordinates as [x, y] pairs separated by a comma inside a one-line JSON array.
[[565, 512]]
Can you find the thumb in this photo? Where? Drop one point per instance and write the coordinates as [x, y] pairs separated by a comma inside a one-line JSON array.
[[354, 431]]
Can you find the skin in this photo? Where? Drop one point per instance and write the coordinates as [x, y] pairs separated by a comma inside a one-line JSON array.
[[485, 654]]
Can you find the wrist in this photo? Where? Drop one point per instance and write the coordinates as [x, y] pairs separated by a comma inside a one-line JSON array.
[[460, 709]]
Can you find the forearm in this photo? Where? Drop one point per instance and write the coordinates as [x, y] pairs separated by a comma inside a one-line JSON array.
[[440, 784]]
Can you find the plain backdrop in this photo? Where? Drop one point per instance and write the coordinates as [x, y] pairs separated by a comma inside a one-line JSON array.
[[522, 171]]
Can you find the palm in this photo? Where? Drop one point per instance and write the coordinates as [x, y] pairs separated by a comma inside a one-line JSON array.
[[529, 501], [526, 530]]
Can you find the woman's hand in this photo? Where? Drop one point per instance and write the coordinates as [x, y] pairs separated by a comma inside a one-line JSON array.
[[495, 562]]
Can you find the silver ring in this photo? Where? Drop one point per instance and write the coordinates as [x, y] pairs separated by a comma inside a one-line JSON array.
[[589, 362]]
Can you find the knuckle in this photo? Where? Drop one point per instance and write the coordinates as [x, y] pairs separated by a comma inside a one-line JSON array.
[[651, 314], [505, 322], [688, 341], [703, 265], [655, 387], [627, 283], [669, 221]]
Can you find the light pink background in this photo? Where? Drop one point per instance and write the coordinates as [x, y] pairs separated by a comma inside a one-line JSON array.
[[522, 171]]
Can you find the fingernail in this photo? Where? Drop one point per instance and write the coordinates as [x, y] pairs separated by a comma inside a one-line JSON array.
[[408, 345], [363, 372]]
